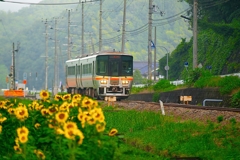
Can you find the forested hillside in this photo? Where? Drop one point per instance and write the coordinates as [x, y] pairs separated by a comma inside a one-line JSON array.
[[26, 29], [218, 41]]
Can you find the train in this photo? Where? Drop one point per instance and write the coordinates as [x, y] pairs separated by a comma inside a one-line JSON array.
[[100, 75]]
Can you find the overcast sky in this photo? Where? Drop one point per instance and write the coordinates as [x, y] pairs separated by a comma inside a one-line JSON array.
[[14, 7]]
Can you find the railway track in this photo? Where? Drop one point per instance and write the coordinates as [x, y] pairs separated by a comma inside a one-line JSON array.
[[176, 105], [201, 113]]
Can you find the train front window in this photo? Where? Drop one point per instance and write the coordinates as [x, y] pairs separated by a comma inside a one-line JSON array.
[[102, 63], [114, 65], [127, 66], [114, 68]]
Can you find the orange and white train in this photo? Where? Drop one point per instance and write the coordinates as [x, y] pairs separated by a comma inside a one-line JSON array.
[[100, 75]]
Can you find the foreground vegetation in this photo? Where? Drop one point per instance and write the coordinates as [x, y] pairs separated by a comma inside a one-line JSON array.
[[68, 127], [150, 135]]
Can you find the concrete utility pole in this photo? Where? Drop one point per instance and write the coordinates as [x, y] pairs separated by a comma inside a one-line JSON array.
[[46, 55], [195, 30], [69, 56], [123, 27], [55, 90], [82, 29], [100, 27], [93, 49], [155, 52], [149, 40], [13, 68]]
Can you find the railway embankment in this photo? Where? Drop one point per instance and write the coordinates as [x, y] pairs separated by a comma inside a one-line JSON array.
[[181, 112], [198, 96]]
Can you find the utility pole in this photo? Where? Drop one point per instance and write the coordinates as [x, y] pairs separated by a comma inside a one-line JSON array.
[[82, 29], [93, 49], [100, 27], [55, 90], [46, 55], [149, 40], [123, 27], [195, 30], [17, 62], [13, 68], [69, 56], [155, 51]]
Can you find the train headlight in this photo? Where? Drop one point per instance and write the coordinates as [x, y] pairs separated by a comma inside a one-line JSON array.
[[125, 82], [103, 81]]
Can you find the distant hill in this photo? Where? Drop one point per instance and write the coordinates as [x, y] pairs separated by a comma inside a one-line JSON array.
[[218, 42]]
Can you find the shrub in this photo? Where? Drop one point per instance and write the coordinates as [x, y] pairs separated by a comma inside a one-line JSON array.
[[155, 97], [220, 119], [228, 84], [163, 85], [235, 100]]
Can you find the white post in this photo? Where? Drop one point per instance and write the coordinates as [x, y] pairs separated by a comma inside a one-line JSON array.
[[162, 107]]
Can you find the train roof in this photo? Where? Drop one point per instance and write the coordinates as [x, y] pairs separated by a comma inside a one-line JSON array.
[[96, 54]]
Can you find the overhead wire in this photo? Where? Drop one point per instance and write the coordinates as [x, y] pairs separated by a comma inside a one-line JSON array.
[[213, 4], [64, 3]]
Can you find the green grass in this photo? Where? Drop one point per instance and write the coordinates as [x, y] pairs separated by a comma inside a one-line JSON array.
[[150, 135]]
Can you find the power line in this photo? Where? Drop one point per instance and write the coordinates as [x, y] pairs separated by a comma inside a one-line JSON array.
[[65, 3]]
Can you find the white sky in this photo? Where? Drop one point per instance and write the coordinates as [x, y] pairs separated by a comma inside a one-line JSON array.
[[14, 7]]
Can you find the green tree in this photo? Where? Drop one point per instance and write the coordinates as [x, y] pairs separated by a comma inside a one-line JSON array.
[[137, 77]]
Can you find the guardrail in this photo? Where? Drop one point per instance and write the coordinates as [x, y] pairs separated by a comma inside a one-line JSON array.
[[211, 100]]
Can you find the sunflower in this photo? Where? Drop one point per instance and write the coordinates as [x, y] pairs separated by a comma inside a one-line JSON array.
[[11, 111], [87, 102], [67, 97], [17, 149], [61, 117], [17, 141], [70, 105], [23, 138], [3, 119], [0, 129], [80, 116], [64, 107], [21, 112], [77, 97], [37, 125], [59, 131], [39, 107], [35, 105], [113, 132], [80, 135], [100, 127], [45, 112], [98, 115], [57, 97], [70, 125], [22, 130], [95, 104], [44, 94], [39, 154], [2, 104], [69, 134], [52, 109], [91, 120]]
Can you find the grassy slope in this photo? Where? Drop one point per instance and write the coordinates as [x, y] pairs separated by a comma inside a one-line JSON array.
[[150, 135]]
